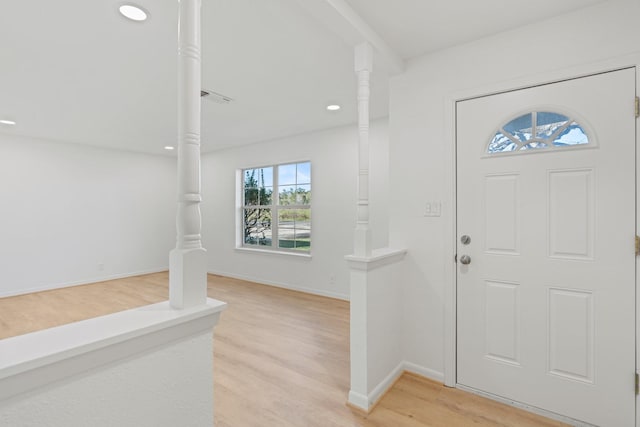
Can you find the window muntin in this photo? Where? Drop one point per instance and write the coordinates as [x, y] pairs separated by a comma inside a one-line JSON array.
[[538, 130], [277, 220]]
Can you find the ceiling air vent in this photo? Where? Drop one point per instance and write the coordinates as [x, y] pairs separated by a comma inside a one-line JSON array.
[[215, 97]]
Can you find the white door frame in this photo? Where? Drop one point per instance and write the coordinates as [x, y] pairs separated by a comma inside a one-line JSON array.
[[450, 291]]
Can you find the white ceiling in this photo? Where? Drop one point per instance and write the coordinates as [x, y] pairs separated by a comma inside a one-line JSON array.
[[416, 27], [76, 71]]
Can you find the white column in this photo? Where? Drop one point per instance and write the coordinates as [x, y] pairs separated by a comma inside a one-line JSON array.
[[187, 262], [376, 357], [362, 245]]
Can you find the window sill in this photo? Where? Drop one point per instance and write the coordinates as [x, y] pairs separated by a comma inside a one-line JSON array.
[[272, 252]]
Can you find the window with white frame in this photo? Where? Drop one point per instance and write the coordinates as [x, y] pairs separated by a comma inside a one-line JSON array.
[[276, 207]]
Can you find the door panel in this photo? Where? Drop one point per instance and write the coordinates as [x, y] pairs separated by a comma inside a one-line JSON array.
[[501, 310], [501, 213], [546, 307], [571, 219], [571, 350]]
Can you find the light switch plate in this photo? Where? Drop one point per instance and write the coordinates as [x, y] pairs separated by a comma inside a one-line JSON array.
[[433, 209]]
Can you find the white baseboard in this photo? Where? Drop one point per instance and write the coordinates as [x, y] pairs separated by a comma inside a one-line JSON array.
[[358, 400], [86, 281], [366, 402], [424, 372], [282, 285], [385, 384]]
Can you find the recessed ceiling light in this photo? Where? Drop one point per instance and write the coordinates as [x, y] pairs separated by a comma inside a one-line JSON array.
[[8, 122], [135, 13], [169, 147], [333, 107]]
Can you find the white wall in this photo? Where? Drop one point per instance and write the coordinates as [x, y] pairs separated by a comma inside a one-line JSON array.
[[333, 156], [147, 390], [420, 140], [68, 208]]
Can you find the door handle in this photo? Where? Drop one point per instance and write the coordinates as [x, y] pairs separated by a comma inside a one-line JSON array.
[[465, 259]]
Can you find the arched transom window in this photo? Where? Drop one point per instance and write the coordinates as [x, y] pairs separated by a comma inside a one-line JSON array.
[[538, 130]]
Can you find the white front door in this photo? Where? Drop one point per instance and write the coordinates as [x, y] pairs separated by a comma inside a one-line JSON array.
[[546, 293]]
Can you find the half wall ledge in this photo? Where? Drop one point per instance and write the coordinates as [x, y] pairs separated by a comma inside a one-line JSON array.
[[38, 359], [379, 258]]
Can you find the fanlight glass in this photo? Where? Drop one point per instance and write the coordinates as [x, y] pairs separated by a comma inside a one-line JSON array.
[[538, 130]]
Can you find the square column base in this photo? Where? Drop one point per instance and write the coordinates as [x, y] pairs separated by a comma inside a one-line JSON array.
[[187, 277]]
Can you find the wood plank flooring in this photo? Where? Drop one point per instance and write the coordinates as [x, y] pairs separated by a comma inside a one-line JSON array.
[[281, 358]]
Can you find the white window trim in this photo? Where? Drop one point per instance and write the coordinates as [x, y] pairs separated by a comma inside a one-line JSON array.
[[278, 252]]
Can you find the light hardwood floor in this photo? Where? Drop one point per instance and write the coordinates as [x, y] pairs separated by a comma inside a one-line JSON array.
[[281, 358]]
